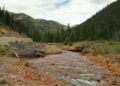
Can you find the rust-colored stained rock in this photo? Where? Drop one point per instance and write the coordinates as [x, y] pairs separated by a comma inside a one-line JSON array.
[[106, 65], [31, 75], [72, 48]]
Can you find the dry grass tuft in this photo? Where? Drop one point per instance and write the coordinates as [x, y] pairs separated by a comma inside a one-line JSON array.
[[52, 51]]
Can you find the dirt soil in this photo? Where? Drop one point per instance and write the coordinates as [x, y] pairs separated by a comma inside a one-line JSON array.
[[8, 33]]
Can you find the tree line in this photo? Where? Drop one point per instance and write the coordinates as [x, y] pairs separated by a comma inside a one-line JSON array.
[[104, 25], [60, 35]]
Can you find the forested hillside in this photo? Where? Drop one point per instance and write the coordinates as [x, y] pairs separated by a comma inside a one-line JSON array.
[[37, 29], [38, 23], [104, 25]]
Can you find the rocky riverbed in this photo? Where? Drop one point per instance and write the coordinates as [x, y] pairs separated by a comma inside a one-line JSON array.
[[55, 66], [75, 69]]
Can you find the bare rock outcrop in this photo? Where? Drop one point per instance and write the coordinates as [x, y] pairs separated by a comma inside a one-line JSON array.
[[27, 50]]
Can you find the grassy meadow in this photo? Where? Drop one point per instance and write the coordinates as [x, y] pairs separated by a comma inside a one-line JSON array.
[[100, 47]]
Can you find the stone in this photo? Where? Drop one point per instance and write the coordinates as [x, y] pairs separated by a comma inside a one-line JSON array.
[[27, 50]]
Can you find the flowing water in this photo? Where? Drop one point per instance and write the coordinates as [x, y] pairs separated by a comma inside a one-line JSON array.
[[73, 68]]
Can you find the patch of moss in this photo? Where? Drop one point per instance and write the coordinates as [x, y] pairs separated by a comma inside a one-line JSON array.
[[118, 60], [3, 49], [87, 50], [14, 43], [4, 82]]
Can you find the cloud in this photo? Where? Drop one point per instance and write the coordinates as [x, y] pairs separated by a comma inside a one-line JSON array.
[[100, 1], [64, 2], [63, 11]]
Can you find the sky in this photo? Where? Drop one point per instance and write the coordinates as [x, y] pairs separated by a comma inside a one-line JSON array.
[[63, 11]]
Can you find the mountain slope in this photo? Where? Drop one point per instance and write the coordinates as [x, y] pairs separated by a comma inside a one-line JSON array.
[[104, 25], [7, 32], [37, 29], [40, 24]]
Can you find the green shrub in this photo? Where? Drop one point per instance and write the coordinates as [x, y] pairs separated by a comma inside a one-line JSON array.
[[87, 50], [117, 51], [118, 60], [4, 49], [96, 51], [101, 47], [101, 51], [105, 51], [13, 43], [3, 82], [110, 43]]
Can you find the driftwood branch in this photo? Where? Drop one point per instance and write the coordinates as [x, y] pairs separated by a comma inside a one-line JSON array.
[[15, 53]]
